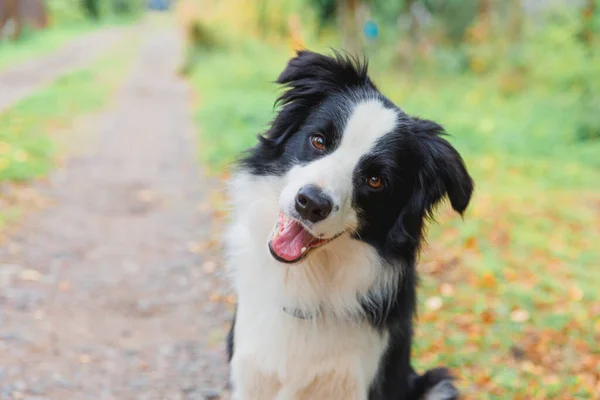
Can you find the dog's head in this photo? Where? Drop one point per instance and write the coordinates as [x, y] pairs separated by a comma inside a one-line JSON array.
[[353, 164]]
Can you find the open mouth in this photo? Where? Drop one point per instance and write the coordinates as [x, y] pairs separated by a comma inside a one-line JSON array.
[[291, 242]]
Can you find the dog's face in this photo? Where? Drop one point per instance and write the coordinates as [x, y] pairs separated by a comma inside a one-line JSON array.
[[352, 163]]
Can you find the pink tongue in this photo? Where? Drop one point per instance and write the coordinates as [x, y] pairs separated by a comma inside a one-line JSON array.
[[288, 245]]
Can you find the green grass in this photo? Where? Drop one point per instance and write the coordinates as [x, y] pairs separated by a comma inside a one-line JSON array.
[[517, 278], [31, 130], [37, 44]]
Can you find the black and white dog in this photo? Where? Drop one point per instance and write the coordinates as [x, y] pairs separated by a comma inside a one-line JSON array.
[[329, 211]]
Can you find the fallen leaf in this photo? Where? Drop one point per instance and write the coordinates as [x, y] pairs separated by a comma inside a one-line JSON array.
[[209, 267], [204, 207], [519, 315], [447, 289], [488, 280], [64, 286], [85, 358], [231, 299], [575, 293], [487, 316], [470, 243], [511, 275], [434, 303], [31, 275], [146, 196]]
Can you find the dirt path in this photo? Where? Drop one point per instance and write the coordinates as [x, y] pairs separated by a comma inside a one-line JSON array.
[[20, 81], [100, 295]]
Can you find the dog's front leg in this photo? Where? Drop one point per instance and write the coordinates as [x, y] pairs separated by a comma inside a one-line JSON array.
[[250, 383], [342, 383]]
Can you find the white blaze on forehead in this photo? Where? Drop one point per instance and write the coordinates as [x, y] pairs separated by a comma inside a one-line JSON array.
[[368, 121]]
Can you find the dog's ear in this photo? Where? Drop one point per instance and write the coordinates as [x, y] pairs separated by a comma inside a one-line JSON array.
[[441, 173]]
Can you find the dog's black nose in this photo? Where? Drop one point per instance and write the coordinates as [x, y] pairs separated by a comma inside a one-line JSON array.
[[312, 204]]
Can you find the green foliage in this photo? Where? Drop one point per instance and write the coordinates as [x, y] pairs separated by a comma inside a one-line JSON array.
[[326, 10], [91, 8], [455, 16], [236, 100], [37, 44], [64, 12]]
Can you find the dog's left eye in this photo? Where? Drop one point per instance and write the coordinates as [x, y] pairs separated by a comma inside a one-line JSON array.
[[318, 141], [375, 182]]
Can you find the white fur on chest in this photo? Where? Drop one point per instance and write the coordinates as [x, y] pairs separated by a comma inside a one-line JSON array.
[[277, 344]]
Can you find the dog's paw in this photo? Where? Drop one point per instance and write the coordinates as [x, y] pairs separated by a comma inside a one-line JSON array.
[[443, 390]]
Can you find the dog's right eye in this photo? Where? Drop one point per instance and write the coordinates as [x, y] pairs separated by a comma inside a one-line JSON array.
[[318, 141]]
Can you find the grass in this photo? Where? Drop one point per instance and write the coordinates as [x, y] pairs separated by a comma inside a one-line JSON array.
[[33, 128], [509, 295], [37, 44]]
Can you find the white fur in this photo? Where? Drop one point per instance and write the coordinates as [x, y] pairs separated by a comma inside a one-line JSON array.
[[271, 346]]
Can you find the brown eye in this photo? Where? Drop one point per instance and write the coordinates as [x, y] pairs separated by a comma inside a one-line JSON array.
[[318, 141], [375, 182]]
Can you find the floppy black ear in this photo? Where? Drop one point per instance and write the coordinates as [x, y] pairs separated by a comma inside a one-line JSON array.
[[441, 173], [444, 172]]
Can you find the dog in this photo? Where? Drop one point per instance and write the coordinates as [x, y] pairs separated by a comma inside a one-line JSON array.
[[328, 213]]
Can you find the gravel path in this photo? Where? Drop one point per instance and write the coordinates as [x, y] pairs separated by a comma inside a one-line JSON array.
[[18, 82], [114, 291]]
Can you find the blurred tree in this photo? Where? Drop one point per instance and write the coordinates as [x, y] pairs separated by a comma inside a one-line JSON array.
[[515, 21], [589, 103], [91, 8], [122, 6], [9, 11], [325, 11], [22, 12], [347, 11], [457, 16], [589, 10]]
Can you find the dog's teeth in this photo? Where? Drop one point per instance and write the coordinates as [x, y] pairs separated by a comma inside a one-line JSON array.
[[303, 250]]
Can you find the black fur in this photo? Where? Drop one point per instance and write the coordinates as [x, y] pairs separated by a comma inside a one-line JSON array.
[[419, 167]]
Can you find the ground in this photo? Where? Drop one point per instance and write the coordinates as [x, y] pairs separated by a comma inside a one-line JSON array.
[[111, 291]]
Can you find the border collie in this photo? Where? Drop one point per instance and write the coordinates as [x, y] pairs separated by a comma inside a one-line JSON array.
[[328, 214]]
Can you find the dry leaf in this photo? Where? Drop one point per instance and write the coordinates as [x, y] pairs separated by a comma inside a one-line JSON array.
[[204, 207], [434, 303], [209, 267], [488, 280], [471, 243], [519, 315], [447, 289], [31, 275], [85, 358], [575, 293], [487, 316]]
